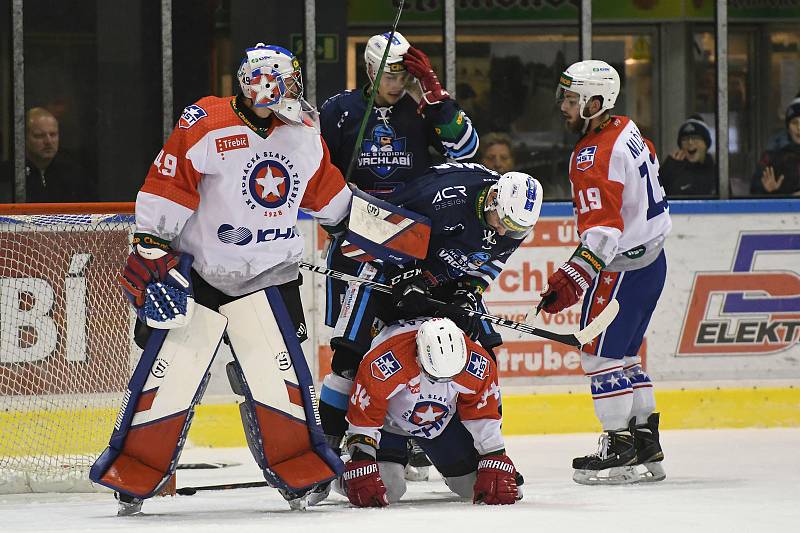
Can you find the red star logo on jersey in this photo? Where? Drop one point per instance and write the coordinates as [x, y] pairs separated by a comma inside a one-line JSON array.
[[427, 413]]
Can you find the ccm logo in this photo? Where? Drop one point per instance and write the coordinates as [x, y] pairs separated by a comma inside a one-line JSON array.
[[234, 142]]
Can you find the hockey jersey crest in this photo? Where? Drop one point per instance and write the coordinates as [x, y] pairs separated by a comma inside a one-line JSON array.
[[390, 392], [229, 193]]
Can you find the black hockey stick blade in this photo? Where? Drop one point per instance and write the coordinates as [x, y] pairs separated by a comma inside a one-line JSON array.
[[189, 491]]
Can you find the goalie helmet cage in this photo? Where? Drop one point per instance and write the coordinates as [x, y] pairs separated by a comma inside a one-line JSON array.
[[66, 349]]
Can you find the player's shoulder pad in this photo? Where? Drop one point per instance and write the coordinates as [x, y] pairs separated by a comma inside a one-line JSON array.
[[480, 366], [337, 100], [204, 114], [394, 359]]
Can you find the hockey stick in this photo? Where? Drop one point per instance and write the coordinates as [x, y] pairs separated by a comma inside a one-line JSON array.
[[373, 92], [189, 491], [577, 339]]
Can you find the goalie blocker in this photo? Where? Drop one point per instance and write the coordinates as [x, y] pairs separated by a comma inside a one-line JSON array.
[[279, 408]]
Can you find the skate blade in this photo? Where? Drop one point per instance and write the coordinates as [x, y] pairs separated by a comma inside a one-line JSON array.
[[652, 472], [417, 473], [318, 496], [618, 475], [130, 509]]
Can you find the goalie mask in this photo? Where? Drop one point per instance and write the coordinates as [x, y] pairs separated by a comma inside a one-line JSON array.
[[441, 350], [270, 76], [517, 199], [589, 79], [373, 53]]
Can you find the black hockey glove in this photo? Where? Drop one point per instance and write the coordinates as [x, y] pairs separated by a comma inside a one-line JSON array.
[[409, 292], [468, 300]]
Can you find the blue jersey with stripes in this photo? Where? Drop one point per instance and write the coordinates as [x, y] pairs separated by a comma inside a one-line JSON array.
[[462, 246], [396, 142]]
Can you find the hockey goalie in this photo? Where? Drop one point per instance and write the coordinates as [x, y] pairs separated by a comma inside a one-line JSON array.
[[215, 258]]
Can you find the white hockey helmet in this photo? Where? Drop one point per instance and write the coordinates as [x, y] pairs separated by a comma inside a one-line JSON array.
[[518, 203], [270, 76], [589, 79], [373, 53], [441, 349]]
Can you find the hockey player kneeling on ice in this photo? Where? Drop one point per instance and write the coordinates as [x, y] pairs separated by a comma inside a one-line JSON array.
[[425, 380], [233, 250]]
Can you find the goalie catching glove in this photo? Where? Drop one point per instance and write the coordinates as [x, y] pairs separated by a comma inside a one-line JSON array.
[[156, 281], [496, 483]]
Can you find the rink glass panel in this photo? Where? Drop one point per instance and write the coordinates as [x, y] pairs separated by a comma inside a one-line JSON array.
[[96, 66], [65, 348]]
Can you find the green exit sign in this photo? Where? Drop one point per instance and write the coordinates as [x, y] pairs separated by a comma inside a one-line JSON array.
[[327, 46]]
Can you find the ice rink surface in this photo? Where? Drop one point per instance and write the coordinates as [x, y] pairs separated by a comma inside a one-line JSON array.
[[717, 480]]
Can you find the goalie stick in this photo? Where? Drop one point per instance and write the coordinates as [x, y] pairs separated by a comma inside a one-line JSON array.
[[577, 339]]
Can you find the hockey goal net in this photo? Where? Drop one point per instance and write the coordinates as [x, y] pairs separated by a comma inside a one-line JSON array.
[[65, 340]]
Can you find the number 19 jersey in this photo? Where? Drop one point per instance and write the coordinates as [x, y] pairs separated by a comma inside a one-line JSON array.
[[619, 202]]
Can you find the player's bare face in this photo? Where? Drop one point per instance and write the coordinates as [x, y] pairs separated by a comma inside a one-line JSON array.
[[570, 112], [491, 217], [695, 148], [794, 130], [392, 88]]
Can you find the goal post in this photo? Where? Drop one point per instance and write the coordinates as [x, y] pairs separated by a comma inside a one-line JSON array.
[[66, 348]]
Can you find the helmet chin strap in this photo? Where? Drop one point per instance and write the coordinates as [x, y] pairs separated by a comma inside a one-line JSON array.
[[588, 120]]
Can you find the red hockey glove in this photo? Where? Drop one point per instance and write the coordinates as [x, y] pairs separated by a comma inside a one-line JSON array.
[[496, 483], [418, 64], [565, 287], [363, 484], [149, 261]]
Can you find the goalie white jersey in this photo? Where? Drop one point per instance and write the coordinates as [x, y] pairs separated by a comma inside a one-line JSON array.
[[228, 192]]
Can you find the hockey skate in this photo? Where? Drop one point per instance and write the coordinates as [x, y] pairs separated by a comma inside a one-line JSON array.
[[648, 466], [611, 464], [419, 466], [319, 493], [128, 505], [298, 501]]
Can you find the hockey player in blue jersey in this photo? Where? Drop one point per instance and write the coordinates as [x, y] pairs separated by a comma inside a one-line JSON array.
[[478, 218], [397, 137]]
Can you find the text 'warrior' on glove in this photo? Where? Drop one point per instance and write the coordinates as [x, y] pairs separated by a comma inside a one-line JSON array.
[[566, 285], [496, 483], [363, 484]]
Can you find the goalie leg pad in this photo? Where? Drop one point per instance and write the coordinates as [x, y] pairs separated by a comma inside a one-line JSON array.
[[157, 408], [279, 409]]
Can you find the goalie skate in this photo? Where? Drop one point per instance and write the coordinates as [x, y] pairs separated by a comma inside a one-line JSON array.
[[612, 464], [128, 505]]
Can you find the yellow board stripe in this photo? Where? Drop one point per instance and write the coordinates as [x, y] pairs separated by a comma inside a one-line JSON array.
[[219, 426]]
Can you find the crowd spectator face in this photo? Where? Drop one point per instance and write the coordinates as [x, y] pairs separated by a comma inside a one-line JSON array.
[[498, 157], [694, 148], [794, 130], [41, 137]]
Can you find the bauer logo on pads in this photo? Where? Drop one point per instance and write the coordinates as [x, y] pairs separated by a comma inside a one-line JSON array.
[[585, 158]]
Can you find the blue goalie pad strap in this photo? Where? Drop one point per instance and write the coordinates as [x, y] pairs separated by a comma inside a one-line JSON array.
[[304, 379]]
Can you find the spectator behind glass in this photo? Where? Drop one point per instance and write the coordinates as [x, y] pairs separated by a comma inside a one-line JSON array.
[[496, 153], [689, 170], [51, 175], [778, 171]]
